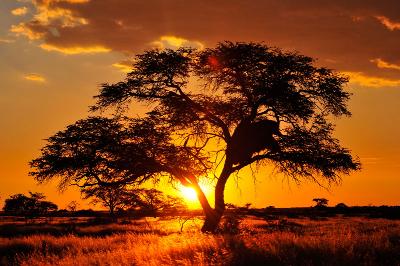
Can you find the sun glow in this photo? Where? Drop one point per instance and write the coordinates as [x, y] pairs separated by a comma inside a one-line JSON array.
[[189, 193]]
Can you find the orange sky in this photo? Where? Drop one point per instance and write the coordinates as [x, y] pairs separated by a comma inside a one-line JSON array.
[[54, 53]]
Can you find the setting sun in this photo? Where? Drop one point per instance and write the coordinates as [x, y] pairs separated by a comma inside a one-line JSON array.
[[189, 193]]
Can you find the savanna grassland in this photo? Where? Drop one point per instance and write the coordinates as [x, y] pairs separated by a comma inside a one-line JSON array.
[[251, 241]]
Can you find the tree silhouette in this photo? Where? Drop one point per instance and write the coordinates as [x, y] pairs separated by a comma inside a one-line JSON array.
[[321, 202], [30, 206], [153, 201], [73, 206], [148, 201], [100, 151], [222, 109], [111, 197], [341, 206]]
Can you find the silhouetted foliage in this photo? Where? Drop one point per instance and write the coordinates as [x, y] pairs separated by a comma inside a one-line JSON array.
[[232, 105], [73, 206], [145, 201], [30, 206], [341, 206], [108, 152], [111, 197], [231, 206], [153, 201], [321, 202]]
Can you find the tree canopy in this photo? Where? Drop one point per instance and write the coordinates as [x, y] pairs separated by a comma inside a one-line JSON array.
[[321, 202], [29, 206], [141, 200], [215, 110], [112, 151]]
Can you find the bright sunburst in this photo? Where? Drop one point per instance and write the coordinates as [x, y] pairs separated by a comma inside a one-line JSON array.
[[189, 193]]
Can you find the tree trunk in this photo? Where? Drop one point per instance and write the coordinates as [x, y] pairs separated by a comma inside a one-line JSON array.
[[213, 218], [211, 222], [112, 213]]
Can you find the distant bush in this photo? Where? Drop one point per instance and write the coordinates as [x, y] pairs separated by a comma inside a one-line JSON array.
[[341, 206], [230, 224]]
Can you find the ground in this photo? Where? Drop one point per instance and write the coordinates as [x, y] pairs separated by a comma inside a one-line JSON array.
[[160, 241]]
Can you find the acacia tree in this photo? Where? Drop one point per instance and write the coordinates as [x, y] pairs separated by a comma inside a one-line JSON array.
[[229, 107], [154, 201], [121, 197], [30, 206], [111, 197], [321, 202]]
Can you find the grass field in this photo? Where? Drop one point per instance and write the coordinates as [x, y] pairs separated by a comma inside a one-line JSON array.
[[333, 241]]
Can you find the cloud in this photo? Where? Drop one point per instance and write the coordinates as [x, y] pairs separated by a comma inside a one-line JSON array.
[[391, 25], [48, 16], [53, 13], [20, 11], [124, 66], [6, 40], [23, 30], [71, 50], [383, 64], [342, 34], [371, 81], [34, 77], [164, 42], [174, 42]]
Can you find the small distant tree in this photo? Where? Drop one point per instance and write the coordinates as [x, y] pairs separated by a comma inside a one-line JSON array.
[[247, 206], [321, 202], [17, 204], [73, 206], [231, 206], [174, 204], [153, 201], [112, 197], [33, 205]]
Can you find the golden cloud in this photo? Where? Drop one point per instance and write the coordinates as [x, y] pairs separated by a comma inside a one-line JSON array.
[[124, 66], [34, 77], [23, 29], [383, 64], [48, 19], [58, 16], [173, 42], [71, 50], [391, 25], [19, 11], [371, 81]]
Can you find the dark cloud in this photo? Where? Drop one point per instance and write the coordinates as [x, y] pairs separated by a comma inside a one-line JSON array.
[[345, 35]]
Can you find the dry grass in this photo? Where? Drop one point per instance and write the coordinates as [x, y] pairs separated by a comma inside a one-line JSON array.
[[335, 241]]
